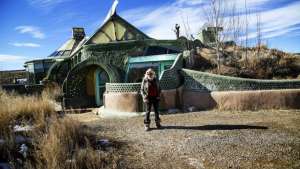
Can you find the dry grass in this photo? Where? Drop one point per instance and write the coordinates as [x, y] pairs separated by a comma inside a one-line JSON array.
[[68, 144], [258, 63], [16, 109], [60, 143]]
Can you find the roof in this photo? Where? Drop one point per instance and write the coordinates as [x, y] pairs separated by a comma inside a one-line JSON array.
[[153, 58], [80, 44], [40, 60], [70, 46], [116, 29]]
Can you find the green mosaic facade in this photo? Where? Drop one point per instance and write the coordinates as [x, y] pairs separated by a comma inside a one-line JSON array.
[[207, 82]]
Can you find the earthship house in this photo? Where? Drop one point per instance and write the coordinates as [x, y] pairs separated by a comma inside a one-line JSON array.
[[106, 70]]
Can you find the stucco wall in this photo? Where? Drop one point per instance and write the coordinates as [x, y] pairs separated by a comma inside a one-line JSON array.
[[243, 100], [132, 101], [123, 102]]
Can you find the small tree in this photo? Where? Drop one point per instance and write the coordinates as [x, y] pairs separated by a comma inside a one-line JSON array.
[[259, 34], [215, 16]]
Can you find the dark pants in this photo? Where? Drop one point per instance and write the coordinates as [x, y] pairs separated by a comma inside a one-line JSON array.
[[152, 102]]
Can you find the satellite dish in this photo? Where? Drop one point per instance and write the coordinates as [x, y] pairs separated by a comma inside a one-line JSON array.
[[112, 10]]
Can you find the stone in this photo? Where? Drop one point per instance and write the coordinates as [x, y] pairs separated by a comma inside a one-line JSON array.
[[4, 166], [23, 150], [26, 128], [103, 143], [170, 111], [192, 109]]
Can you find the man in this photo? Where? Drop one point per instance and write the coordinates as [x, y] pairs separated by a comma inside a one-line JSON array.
[[150, 91]]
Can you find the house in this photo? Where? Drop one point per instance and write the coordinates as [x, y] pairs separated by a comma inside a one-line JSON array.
[[117, 52]]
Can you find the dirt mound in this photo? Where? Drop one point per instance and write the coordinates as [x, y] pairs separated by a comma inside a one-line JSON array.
[[256, 62]]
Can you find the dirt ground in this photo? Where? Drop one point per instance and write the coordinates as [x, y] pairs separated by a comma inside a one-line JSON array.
[[208, 139]]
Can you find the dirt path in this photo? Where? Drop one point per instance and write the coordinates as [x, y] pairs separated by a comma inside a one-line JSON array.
[[211, 139]]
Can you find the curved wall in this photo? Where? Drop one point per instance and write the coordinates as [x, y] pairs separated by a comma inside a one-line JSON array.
[[131, 101], [202, 81], [208, 91], [243, 100]]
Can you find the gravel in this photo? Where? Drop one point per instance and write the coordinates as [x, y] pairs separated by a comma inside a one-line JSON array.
[[209, 139]]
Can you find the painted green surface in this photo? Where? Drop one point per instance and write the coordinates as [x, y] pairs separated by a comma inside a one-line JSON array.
[[159, 62], [154, 58], [202, 81]]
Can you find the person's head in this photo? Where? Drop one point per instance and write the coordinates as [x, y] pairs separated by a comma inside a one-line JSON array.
[[150, 74]]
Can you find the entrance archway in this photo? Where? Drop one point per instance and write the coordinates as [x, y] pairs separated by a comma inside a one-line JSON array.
[[96, 78], [101, 78], [85, 83]]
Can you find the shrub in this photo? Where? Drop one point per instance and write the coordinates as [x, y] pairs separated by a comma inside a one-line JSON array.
[[61, 143]]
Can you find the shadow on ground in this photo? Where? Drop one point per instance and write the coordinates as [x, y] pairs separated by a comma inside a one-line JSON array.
[[213, 127]]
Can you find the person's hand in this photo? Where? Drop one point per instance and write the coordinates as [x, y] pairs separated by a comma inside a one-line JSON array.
[[145, 100]]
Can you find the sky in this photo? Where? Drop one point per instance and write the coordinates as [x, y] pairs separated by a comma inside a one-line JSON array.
[[33, 29]]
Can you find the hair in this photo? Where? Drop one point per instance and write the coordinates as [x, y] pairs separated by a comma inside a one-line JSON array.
[[150, 70]]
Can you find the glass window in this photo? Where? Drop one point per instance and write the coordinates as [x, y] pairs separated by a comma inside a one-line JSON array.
[[47, 65], [167, 67], [38, 65], [156, 50], [30, 67], [136, 74], [67, 53], [60, 53]]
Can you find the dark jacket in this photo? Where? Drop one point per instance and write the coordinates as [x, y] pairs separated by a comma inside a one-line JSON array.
[[145, 88]]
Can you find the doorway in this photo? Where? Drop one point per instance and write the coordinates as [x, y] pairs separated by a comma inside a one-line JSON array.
[[101, 78]]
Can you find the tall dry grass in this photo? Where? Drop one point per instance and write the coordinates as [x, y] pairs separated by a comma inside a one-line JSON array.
[[15, 108], [61, 143], [68, 144]]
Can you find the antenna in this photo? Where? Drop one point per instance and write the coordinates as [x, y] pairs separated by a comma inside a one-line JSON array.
[[112, 10]]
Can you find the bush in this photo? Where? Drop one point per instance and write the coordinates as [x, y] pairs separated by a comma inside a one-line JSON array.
[[61, 143]]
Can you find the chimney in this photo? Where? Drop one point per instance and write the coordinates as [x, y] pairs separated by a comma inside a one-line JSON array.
[[78, 33]]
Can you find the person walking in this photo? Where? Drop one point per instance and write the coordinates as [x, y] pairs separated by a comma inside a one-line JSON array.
[[150, 91]]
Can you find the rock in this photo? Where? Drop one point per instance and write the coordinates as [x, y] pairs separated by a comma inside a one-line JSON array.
[[173, 111], [21, 139], [4, 166], [2, 141], [23, 150], [103, 143], [26, 128], [192, 109]]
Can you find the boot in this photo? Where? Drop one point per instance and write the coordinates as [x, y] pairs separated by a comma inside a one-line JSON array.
[[158, 125], [147, 127]]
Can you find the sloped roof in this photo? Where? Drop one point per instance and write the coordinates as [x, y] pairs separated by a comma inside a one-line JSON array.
[[68, 47], [116, 29], [80, 44]]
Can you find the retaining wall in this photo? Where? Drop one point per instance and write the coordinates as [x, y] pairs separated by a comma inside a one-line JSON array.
[[243, 100], [208, 91], [125, 97], [202, 81]]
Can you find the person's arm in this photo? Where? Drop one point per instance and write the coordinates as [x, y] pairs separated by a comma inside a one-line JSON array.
[[142, 91]]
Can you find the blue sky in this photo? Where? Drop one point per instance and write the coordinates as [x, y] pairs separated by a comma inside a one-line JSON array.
[[31, 29]]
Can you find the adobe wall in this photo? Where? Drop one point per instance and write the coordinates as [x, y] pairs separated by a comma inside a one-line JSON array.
[[132, 101], [122, 102], [209, 91], [243, 100]]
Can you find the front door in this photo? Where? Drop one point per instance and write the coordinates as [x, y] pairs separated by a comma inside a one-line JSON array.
[[101, 79]]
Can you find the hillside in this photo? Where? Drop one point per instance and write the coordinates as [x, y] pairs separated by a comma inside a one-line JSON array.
[[257, 62]]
